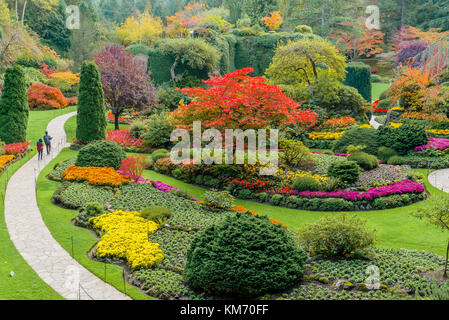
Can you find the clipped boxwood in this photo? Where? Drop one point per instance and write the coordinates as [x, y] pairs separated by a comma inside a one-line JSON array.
[[101, 154], [306, 184], [364, 160], [244, 256], [385, 153], [346, 171], [356, 137], [359, 76]]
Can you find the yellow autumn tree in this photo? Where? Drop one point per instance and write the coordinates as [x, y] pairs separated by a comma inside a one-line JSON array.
[[144, 29]]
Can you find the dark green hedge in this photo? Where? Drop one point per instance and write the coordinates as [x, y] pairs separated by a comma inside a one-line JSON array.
[[101, 154], [359, 76]]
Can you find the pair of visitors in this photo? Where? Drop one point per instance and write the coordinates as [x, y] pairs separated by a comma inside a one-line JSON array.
[[40, 145]]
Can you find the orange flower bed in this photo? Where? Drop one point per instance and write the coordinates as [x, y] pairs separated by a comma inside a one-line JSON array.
[[5, 159], [254, 213], [94, 175]]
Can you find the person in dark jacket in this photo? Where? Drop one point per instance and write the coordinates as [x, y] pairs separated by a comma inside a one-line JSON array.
[[40, 149], [47, 140]]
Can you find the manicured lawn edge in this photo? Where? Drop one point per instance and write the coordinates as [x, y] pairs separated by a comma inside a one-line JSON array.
[[25, 284], [395, 228], [58, 221]]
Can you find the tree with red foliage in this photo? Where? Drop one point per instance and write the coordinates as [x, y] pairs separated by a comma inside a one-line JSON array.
[[43, 97], [237, 100], [126, 84]]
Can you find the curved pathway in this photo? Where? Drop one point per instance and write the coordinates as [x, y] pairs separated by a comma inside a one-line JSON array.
[[34, 241], [440, 179]]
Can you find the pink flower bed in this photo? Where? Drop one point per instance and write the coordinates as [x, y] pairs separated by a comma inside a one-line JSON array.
[[166, 187], [399, 187], [16, 148], [124, 138], [437, 143]]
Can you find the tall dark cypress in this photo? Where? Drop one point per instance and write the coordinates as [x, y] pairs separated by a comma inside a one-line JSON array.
[[91, 119], [14, 106]]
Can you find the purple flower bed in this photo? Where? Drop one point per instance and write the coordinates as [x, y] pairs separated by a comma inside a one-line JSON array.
[[437, 143], [400, 187]]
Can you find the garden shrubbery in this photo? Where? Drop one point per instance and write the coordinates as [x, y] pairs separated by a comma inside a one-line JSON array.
[[101, 154], [402, 139], [358, 136], [244, 256], [364, 160], [346, 171], [337, 236]]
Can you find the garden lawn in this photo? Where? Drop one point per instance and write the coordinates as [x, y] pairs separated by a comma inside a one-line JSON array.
[[377, 89], [58, 221], [70, 128], [395, 228], [25, 284]]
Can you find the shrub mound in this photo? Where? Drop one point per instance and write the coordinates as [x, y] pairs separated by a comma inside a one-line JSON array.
[[336, 237], [101, 154], [346, 171], [355, 137], [156, 213], [364, 160], [244, 256]]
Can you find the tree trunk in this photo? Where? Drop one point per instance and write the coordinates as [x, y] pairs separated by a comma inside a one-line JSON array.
[[23, 10], [116, 116], [172, 69], [402, 12], [445, 264]]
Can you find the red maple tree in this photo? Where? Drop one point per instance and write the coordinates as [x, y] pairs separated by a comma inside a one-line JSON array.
[[237, 100]]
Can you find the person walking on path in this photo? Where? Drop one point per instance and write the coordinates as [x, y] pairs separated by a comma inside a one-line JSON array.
[[40, 149], [47, 140]]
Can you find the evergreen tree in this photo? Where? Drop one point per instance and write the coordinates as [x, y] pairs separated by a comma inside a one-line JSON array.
[[257, 9], [91, 119], [14, 106]]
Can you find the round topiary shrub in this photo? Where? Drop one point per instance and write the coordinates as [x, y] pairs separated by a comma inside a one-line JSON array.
[[355, 137], [156, 213], [244, 256], [101, 154], [346, 171], [306, 184], [364, 160], [385, 153], [336, 236]]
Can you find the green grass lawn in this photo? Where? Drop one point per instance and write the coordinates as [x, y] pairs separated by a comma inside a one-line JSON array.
[[395, 228], [70, 128], [58, 221], [25, 284], [377, 89]]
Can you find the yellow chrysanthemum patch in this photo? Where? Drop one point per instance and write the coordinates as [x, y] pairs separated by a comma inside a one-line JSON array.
[[366, 126], [5, 159], [395, 124], [325, 135], [127, 238], [439, 131], [397, 109], [288, 177]]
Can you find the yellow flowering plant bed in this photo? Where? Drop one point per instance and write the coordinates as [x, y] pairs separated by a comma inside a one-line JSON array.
[[443, 132], [395, 124], [325, 135], [6, 159], [288, 177], [126, 237], [366, 126], [95, 175]]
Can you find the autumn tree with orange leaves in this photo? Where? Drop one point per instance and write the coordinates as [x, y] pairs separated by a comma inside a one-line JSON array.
[[274, 21], [237, 100]]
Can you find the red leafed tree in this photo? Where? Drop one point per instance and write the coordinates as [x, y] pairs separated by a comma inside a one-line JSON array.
[[237, 100], [125, 81]]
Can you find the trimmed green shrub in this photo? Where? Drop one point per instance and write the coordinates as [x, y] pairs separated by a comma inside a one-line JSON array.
[[355, 137], [302, 28], [244, 194], [244, 256], [359, 76], [337, 236], [156, 213], [402, 139], [14, 106], [364, 160], [385, 153], [158, 131], [346, 171], [219, 200], [101, 154], [91, 119], [159, 155], [306, 184]]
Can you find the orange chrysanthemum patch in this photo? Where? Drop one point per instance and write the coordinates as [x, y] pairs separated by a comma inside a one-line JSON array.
[[94, 175], [5, 159], [254, 213]]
